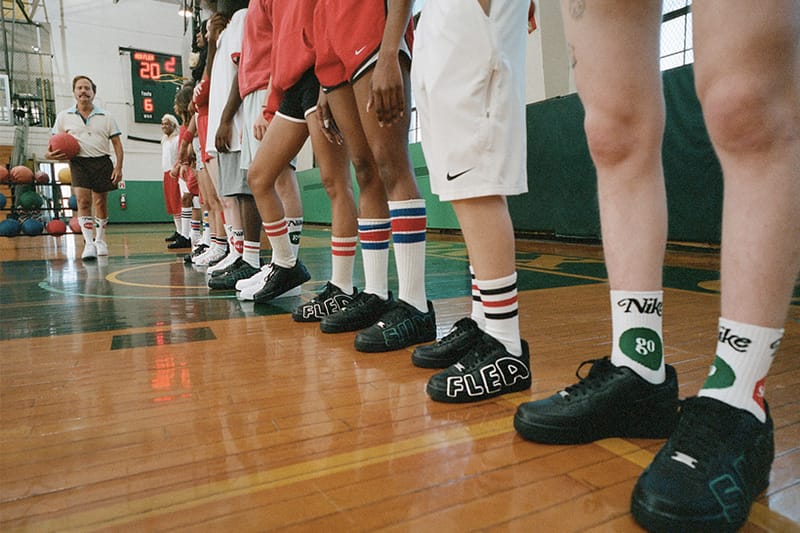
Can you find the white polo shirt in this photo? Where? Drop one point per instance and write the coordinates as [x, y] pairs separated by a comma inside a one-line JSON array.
[[93, 134]]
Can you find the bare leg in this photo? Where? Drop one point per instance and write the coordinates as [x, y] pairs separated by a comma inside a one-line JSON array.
[[620, 86], [749, 89]]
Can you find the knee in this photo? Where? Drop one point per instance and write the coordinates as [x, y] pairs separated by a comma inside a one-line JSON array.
[[742, 115], [614, 136]]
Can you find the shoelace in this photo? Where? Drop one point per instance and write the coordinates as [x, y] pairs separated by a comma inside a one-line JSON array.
[[455, 332], [476, 355], [698, 435], [598, 375]]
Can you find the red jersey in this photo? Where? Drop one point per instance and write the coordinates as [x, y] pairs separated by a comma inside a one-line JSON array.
[[255, 63]]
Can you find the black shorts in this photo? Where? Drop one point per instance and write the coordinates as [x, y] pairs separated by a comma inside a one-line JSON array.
[[301, 98], [92, 173]]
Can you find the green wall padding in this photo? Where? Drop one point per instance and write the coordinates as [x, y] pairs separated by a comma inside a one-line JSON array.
[[562, 197], [144, 203]]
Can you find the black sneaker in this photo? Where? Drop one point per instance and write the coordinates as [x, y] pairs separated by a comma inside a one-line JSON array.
[[280, 280], [180, 242], [361, 312], [331, 300], [611, 401], [709, 472], [488, 370], [237, 263], [172, 237], [227, 281], [401, 326], [199, 249], [449, 349]]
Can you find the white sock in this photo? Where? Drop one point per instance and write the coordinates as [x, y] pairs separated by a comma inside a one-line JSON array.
[[87, 228], [744, 355], [250, 253], [477, 305], [374, 234], [637, 333], [278, 235], [295, 227], [100, 229], [343, 258], [409, 223], [501, 310]]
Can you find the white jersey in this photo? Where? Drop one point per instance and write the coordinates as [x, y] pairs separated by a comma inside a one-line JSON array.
[[223, 72]]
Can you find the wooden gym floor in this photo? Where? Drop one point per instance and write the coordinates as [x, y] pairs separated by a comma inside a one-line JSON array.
[[132, 399]]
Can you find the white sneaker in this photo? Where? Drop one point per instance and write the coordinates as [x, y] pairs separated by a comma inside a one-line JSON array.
[[253, 280], [89, 251], [249, 292], [102, 247], [209, 256], [227, 261]]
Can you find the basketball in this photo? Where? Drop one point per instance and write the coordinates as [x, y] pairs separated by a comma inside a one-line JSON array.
[[73, 202], [65, 176], [3, 174], [3, 200], [65, 143], [56, 227], [30, 200], [32, 226], [9, 227], [74, 225], [41, 177], [21, 174]]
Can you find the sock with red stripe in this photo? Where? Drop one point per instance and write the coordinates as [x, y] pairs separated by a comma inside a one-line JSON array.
[[237, 241], [477, 305], [500, 307], [409, 223], [343, 258], [250, 253], [278, 235], [374, 235]]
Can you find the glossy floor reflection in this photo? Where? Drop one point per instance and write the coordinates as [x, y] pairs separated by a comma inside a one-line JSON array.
[[133, 399]]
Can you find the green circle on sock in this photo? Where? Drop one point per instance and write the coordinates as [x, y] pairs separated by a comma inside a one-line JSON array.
[[643, 345]]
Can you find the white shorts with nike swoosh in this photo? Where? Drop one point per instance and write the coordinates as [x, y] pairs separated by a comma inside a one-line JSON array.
[[468, 77]]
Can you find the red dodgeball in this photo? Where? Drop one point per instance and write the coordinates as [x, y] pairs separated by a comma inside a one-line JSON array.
[[65, 143], [56, 227], [21, 175]]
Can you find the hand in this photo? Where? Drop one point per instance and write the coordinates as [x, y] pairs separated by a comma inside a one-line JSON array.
[[386, 92], [222, 141], [56, 155], [326, 121], [116, 175], [260, 127]]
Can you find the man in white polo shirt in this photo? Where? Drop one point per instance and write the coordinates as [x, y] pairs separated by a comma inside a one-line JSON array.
[[93, 172]]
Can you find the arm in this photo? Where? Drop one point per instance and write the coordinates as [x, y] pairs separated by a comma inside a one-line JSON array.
[[387, 93], [116, 174], [222, 141]]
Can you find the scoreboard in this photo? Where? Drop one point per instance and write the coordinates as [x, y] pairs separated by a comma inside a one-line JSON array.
[[155, 78]]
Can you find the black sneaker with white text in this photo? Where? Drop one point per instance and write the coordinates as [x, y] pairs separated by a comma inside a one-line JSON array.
[[401, 326], [488, 370], [709, 472], [331, 300]]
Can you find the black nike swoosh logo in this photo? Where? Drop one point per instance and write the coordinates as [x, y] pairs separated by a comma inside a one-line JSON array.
[[451, 177]]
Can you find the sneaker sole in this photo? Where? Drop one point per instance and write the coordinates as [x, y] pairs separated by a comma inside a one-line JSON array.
[[659, 521]]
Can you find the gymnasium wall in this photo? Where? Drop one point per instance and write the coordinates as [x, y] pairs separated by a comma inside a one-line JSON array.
[[562, 197]]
